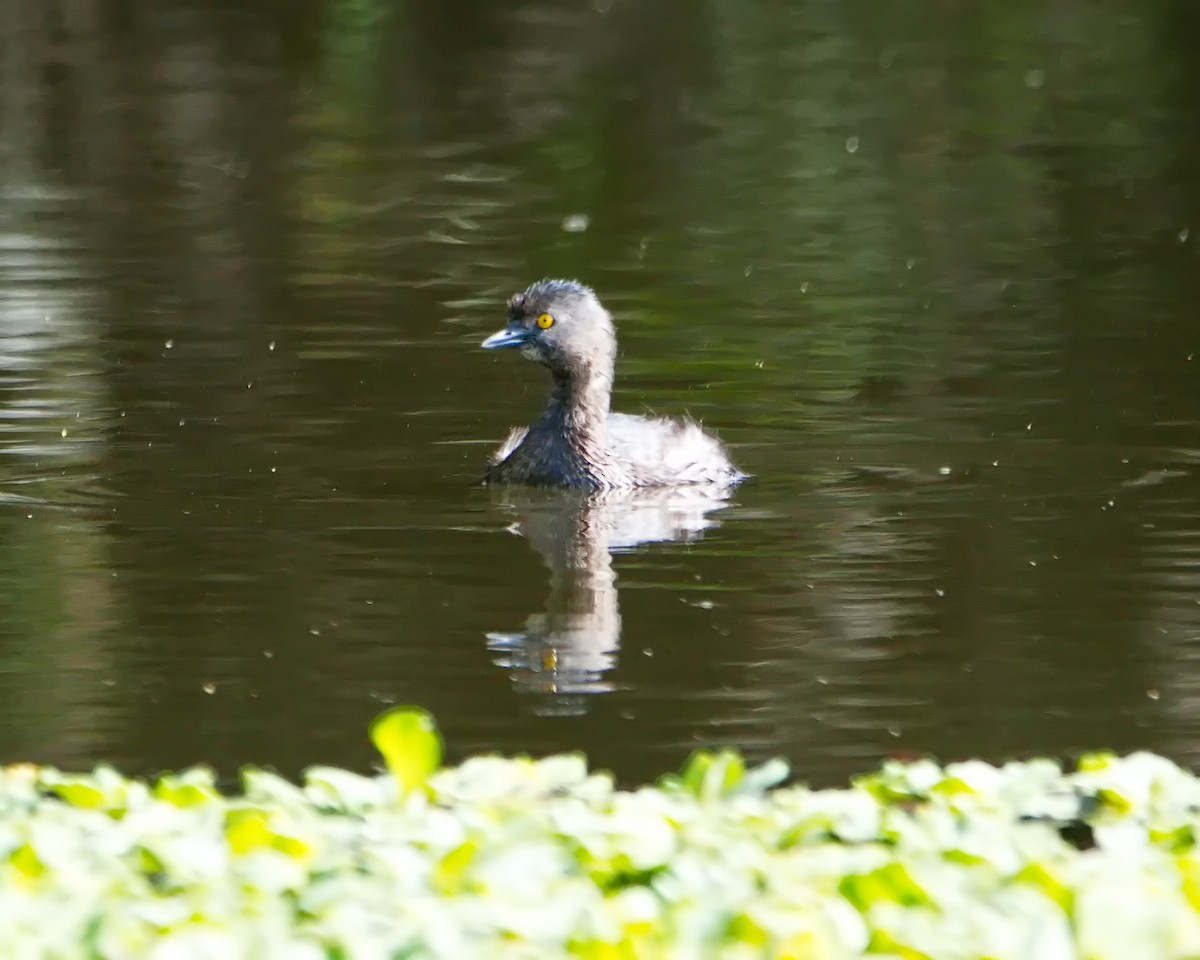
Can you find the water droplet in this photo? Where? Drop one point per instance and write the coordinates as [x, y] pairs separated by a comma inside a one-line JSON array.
[[1153, 694], [210, 688], [64, 431], [939, 591], [271, 345], [944, 471], [804, 287], [852, 144], [169, 344], [576, 223], [1034, 79], [1183, 235]]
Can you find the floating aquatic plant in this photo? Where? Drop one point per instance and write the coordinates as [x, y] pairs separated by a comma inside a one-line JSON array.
[[523, 858]]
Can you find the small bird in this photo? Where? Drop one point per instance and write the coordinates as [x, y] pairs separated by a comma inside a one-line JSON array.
[[577, 442]]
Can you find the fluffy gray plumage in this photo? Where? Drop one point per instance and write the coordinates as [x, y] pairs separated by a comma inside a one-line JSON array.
[[577, 442]]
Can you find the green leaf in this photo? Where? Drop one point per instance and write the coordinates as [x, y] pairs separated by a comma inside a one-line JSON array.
[[179, 792], [80, 795], [450, 874], [882, 942], [709, 776], [1189, 877], [890, 883], [408, 740], [247, 830], [1177, 840], [1096, 761], [26, 862], [104, 789], [1036, 875], [745, 931], [952, 787], [1114, 800]]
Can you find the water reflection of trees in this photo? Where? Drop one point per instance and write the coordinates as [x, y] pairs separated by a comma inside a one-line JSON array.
[[979, 208]]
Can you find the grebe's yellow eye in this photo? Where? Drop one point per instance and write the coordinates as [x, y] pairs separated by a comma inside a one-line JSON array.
[[545, 321]]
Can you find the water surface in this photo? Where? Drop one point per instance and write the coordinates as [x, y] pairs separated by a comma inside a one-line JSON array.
[[932, 276]]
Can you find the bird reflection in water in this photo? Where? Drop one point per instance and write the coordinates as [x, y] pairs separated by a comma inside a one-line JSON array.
[[565, 653]]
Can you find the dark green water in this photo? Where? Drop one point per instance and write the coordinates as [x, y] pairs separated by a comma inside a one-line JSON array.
[[931, 271]]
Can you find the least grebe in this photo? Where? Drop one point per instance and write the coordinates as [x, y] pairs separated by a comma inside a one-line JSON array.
[[577, 442]]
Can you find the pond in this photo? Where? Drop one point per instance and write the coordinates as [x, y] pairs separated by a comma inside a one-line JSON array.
[[931, 274]]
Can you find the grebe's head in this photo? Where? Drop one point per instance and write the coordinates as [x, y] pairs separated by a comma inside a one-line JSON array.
[[561, 324]]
